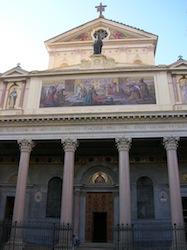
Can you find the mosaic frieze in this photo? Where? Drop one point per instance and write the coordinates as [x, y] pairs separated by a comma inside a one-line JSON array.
[[98, 91]]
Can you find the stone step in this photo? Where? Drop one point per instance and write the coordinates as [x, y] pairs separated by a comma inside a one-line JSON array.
[[94, 246]]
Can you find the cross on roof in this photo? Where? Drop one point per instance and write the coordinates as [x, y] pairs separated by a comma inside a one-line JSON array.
[[180, 57], [100, 9]]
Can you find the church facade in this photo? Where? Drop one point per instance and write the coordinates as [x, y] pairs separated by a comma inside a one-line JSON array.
[[97, 139]]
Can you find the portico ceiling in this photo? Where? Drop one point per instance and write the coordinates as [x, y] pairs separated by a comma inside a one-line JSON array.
[[90, 147]]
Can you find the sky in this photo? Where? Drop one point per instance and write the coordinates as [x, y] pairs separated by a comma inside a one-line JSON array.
[[26, 24]]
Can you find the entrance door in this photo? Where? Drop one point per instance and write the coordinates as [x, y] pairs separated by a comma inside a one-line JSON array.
[[99, 227], [9, 207], [8, 217], [99, 217]]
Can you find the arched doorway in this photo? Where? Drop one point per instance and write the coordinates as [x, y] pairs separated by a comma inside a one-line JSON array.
[[98, 202], [99, 208]]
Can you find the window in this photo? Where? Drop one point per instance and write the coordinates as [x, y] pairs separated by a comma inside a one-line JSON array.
[[145, 198], [54, 195]]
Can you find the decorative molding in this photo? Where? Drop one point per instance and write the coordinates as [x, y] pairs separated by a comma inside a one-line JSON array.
[[171, 142], [69, 144], [98, 62], [123, 144], [95, 117], [26, 145]]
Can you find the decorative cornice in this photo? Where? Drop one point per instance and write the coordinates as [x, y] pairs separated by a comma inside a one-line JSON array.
[[94, 118], [79, 70]]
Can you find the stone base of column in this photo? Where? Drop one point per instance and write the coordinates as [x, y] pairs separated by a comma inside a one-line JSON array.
[[179, 245], [14, 244], [125, 245], [62, 244]]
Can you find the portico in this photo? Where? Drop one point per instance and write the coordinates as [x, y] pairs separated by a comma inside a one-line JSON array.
[[140, 157]]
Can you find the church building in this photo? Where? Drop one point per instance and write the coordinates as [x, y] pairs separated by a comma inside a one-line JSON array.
[[98, 139]]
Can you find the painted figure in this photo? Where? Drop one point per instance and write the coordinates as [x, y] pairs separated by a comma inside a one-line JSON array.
[[184, 93], [99, 179], [143, 89]]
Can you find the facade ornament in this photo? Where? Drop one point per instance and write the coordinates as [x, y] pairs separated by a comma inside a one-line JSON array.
[[98, 61], [171, 142], [26, 145], [69, 144], [98, 44], [100, 9], [123, 144], [180, 57]]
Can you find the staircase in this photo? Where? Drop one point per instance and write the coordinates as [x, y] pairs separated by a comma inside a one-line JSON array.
[[95, 246]]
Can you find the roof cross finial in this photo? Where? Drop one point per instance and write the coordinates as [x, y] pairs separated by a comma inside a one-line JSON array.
[[180, 57], [100, 9]]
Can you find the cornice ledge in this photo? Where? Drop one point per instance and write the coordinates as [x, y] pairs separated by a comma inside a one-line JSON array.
[[170, 116]]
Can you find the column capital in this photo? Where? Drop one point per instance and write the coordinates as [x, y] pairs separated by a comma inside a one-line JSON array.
[[69, 144], [26, 145], [123, 144], [77, 191], [171, 142]]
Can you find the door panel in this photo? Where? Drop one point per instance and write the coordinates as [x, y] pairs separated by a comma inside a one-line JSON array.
[[99, 205]]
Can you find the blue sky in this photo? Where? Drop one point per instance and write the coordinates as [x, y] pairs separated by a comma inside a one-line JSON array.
[[26, 24]]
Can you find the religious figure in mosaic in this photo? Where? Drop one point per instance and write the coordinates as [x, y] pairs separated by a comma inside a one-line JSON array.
[[100, 179], [12, 98], [183, 84]]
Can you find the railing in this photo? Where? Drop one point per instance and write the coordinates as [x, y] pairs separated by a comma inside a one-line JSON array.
[[150, 236], [44, 236], [34, 235]]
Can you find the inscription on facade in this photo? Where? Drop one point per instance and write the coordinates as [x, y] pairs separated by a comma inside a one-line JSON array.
[[83, 131]]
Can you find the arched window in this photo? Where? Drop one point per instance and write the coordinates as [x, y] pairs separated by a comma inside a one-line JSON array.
[[54, 194], [145, 198]]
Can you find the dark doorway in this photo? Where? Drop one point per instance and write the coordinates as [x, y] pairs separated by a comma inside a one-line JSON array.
[[8, 218], [9, 207], [184, 204], [99, 227]]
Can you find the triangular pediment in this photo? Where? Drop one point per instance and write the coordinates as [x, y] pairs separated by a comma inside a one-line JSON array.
[[115, 31], [16, 71], [179, 64]]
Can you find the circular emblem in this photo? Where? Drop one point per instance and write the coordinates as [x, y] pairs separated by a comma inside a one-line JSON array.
[[38, 196], [163, 196]]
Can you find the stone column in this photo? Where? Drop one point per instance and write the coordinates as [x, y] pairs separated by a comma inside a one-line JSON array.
[[179, 237], [3, 95], [69, 146], [175, 88], [171, 144], [16, 237], [23, 86], [26, 147], [123, 145], [125, 235]]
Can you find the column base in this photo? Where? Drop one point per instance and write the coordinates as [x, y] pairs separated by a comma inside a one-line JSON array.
[[14, 244], [63, 245], [179, 245], [125, 246]]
